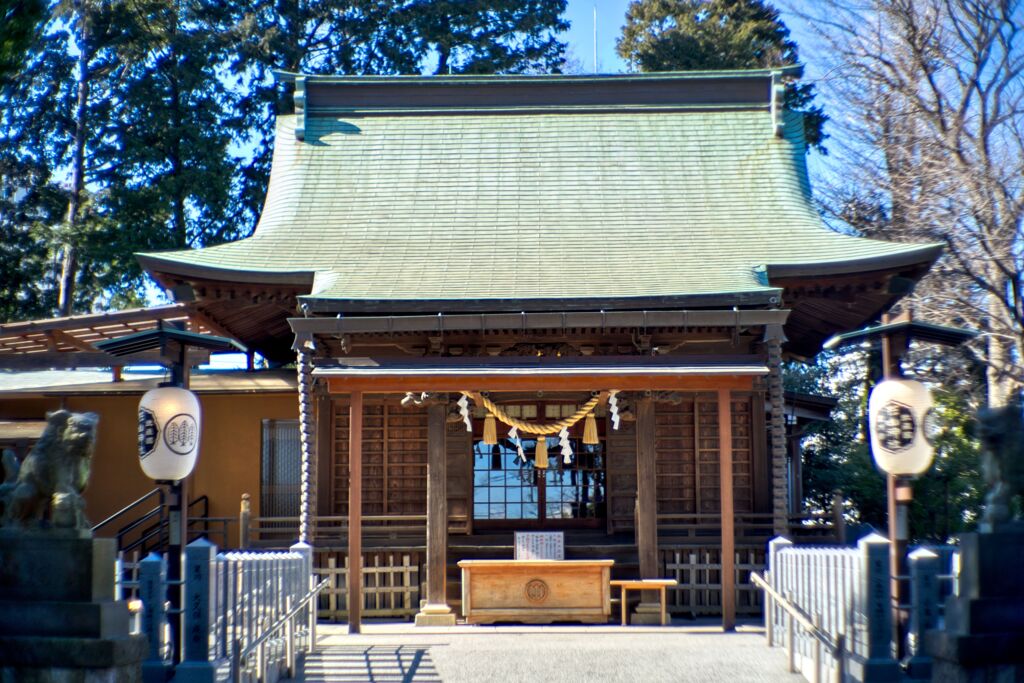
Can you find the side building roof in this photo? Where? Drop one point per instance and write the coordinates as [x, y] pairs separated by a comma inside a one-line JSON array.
[[394, 195]]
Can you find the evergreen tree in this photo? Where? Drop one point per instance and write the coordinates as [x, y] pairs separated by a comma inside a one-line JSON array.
[[836, 456], [165, 162], [22, 21], [52, 116], [151, 120], [695, 35], [28, 206]]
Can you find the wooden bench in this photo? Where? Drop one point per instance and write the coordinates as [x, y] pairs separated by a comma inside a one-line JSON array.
[[645, 585]]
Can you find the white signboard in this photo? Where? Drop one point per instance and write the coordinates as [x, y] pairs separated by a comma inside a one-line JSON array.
[[540, 545]]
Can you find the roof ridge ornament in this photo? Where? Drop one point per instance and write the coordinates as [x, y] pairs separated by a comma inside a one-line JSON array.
[[300, 108], [778, 97]]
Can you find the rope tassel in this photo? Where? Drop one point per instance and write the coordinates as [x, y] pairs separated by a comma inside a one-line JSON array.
[[590, 430], [541, 459], [490, 430]]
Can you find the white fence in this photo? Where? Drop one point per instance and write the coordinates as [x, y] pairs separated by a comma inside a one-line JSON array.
[[830, 608], [246, 615]]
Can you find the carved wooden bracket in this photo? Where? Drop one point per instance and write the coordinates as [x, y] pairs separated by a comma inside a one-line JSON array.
[[413, 399], [673, 397]]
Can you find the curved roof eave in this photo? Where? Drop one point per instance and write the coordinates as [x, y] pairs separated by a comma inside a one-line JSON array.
[[156, 265], [923, 255]]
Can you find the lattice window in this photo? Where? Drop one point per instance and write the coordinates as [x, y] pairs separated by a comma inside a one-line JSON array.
[[394, 460], [280, 469], [686, 443], [742, 454]]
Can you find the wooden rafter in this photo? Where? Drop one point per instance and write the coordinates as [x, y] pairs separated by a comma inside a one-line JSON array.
[[62, 337], [51, 342]]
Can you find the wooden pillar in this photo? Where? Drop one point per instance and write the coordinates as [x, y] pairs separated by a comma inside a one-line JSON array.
[[646, 491], [649, 609], [354, 582], [307, 443], [728, 521], [777, 437], [436, 612]]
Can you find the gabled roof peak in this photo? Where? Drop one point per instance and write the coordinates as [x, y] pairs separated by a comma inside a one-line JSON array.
[[757, 89]]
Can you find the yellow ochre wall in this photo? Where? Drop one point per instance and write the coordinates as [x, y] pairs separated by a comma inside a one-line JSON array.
[[229, 453]]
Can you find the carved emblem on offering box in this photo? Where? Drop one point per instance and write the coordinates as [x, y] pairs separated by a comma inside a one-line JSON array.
[[536, 590], [540, 545]]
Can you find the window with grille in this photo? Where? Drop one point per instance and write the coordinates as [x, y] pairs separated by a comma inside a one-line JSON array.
[[280, 469], [507, 488]]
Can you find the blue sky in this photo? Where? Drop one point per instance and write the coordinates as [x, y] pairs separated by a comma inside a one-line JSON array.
[[610, 18]]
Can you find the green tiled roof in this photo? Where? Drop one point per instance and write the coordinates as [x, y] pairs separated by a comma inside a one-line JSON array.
[[512, 205]]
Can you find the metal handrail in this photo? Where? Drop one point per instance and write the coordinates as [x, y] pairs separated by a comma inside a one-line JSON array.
[[263, 637], [157, 529], [835, 644], [205, 500], [159, 492], [153, 530], [239, 655]]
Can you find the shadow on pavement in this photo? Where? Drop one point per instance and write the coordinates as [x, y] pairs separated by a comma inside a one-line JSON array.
[[374, 663]]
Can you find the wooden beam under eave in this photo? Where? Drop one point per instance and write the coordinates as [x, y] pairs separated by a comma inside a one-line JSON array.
[[501, 382], [206, 321], [94, 319], [728, 519], [46, 360]]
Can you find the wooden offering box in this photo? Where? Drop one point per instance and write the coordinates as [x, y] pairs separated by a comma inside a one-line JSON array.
[[536, 591]]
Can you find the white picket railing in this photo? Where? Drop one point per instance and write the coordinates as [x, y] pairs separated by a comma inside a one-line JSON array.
[[247, 615], [830, 607], [844, 594], [252, 592]]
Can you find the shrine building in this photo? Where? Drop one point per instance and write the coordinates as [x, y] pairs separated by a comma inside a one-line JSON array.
[[540, 303]]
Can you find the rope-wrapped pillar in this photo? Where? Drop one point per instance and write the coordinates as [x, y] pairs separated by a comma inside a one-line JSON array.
[[777, 431], [307, 441]]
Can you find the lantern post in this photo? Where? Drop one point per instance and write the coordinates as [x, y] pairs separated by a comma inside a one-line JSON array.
[[900, 415], [902, 427], [170, 424]]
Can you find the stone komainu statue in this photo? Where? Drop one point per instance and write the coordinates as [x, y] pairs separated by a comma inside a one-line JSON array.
[[46, 490], [1001, 431]]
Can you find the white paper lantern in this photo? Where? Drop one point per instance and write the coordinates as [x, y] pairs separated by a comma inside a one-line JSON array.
[[899, 411], [169, 428]]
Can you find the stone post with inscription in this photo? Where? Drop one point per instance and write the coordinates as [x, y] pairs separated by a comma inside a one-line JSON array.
[[196, 666], [875, 662]]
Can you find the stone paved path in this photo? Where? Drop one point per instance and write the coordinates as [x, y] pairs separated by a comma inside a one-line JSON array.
[[399, 652]]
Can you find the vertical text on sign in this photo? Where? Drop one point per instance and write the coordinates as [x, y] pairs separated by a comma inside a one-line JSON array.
[[540, 545]]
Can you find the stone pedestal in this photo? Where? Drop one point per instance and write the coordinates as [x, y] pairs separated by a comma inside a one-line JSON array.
[[647, 613], [58, 617], [983, 637], [435, 615]]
